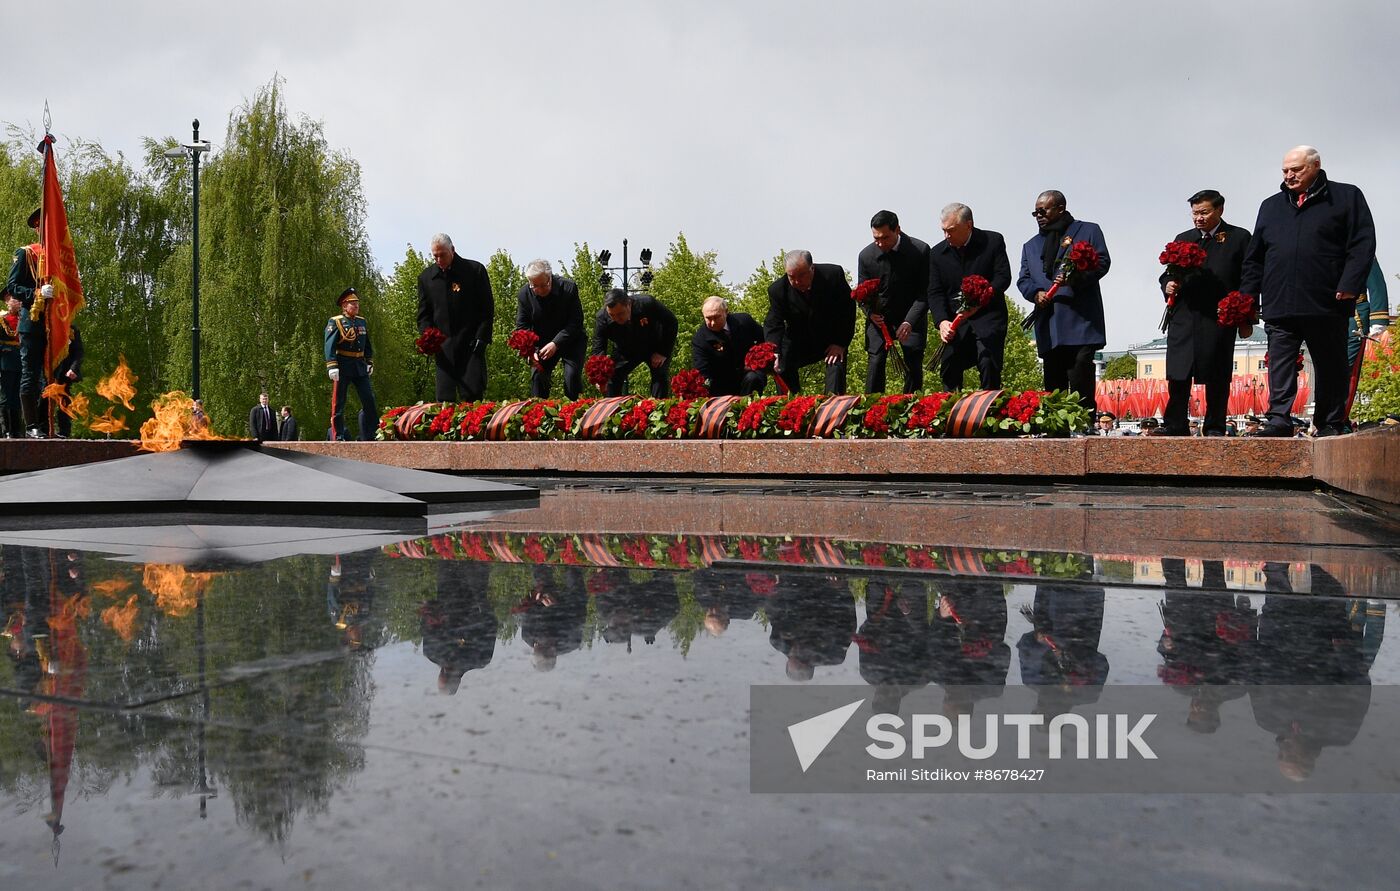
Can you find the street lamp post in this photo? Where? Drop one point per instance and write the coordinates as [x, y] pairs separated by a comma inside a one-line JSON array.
[[606, 278], [193, 149]]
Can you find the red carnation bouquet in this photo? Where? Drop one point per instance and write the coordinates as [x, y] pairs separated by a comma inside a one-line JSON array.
[[867, 294], [975, 293], [430, 341], [1183, 259], [689, 384], [599, 370], [525, 343], [1237, 310], [761, 357], [1081, 258]]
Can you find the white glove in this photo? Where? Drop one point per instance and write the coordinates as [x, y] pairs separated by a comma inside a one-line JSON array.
[[334, 373], [1377, 330], [46, 292], [369, 369]]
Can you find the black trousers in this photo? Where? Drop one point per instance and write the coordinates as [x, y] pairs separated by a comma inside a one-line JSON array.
[[875, 372], [1071, 367], [10, 417], [31, 361], [1326, 339], [796, 360], [967, 351], [573, 375], [1175, 418], [369, 411], [660, 377], [461, 379]]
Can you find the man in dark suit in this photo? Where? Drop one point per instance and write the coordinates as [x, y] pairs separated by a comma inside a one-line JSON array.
[[1197, 345], [66, 374], [900, 262], [549, 305], [454, 296], [981, 340], [643, 332], [287, 430], [1313, 246], [1068, 329], [262, 425], [811, 318], [719, 346]]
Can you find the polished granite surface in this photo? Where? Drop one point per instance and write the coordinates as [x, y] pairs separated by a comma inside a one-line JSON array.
[[558, 697]]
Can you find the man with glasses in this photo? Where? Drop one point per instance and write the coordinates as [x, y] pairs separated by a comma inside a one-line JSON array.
[[549, 305], [1069, 328], [454, 296]]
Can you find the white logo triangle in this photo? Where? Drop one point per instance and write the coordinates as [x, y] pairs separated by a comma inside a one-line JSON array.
[[811, 737]]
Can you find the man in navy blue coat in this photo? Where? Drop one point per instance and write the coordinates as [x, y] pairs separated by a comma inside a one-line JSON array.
[[1313, 246], [1068, 329]]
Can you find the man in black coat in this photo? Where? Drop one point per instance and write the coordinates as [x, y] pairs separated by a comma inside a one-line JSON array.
[[454, 296], [719, 346], [643, 332], [1198, 346], [1313, 246], [287, 430], [262, 423], [811, 318], [900, 262], [980, 341], [549, 305], [65, 374]]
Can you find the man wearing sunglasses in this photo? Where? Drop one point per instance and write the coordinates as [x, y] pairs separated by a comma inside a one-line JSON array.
[[1069, 328]]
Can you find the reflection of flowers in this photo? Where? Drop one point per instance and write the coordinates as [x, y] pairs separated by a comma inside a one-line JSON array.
[[761, 583], [750, 550], [534, 550]]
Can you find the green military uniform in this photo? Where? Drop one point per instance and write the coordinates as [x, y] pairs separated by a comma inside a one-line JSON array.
[[33, 334], [10, 423], [349, 359]]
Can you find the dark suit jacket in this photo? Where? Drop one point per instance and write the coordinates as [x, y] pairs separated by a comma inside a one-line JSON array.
[[71, 362], [557, 318], [464, 315], [1077, 315], [813, 321], [652, 329], [984, 255], [287, 429], [260, 429], [1197, 347], [905, 286], [720, 356]]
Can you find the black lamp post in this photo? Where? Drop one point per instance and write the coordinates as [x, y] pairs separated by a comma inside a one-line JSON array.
[[644, 279], [193, 149]]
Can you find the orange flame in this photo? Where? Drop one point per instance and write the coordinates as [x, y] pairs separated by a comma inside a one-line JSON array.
[[177, 590], [171, 422], [122, 619], [120, 385], [75, 407], [110, 587], [106, 423]]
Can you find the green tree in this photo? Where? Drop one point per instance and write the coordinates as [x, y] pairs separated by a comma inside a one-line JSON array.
[[682, 282], [1378, 387], [509, 376], [1121, 368], [401, 322]]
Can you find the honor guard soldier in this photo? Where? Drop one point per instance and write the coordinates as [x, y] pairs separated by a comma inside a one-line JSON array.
[[33, 338], [10, 424], [349, 361]]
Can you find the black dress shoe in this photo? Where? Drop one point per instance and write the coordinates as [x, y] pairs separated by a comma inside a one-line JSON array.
[[1275, 431], [1330, 431]]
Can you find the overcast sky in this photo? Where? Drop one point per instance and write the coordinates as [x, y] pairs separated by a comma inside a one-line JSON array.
[[753, 126]]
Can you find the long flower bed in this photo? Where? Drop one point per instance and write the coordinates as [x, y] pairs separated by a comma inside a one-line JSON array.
[[874, 416]]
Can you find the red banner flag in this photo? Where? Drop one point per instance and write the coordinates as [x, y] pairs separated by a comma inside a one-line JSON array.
[[58, 265]]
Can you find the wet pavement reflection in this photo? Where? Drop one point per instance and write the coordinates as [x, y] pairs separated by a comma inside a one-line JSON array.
[[506, 707]]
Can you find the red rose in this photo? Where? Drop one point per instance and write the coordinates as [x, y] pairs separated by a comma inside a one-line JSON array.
[[761, 357], [430, 341], [689, 384], [599, 370], [862, 292]]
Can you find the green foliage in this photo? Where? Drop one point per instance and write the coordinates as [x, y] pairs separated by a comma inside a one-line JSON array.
[[508, 377], [1378, 387], [400, 301], [683, 282], [1021, 368], [1121, 368]]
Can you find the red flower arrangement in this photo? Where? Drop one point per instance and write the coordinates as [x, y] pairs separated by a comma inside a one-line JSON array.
[[638, 551], [751, 417], [762, 357], [534, 550], [678, 416], [867, 294], [874, 555], [761, 583], [877, 417], [635, 421], [525, 343], [442, 422], [533, 417], [1082, 258], [473, 548], [430, 341], [599, 370], [1182, 259], [568, 410], [471, 424], [689, 384], [750, 550], [920, 559], [926, 415], [679, 554], [975, 293], [1021, 408], [794, 416], [1236, 310]]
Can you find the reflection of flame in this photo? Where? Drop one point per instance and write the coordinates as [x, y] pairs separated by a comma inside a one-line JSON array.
[[172, 421], [106, 423], [120, 385], [122, 619], [110, 587], [177, 590]]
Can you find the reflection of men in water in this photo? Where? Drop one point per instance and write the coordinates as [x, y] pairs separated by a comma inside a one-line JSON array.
[[350, 597], [811, 620], [968, 643], [552, 613], [1308, 641], [893, 642], [459, 626], [24, 611], [1060, 654], [1207, 642], [724, 596], [638, 607]]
